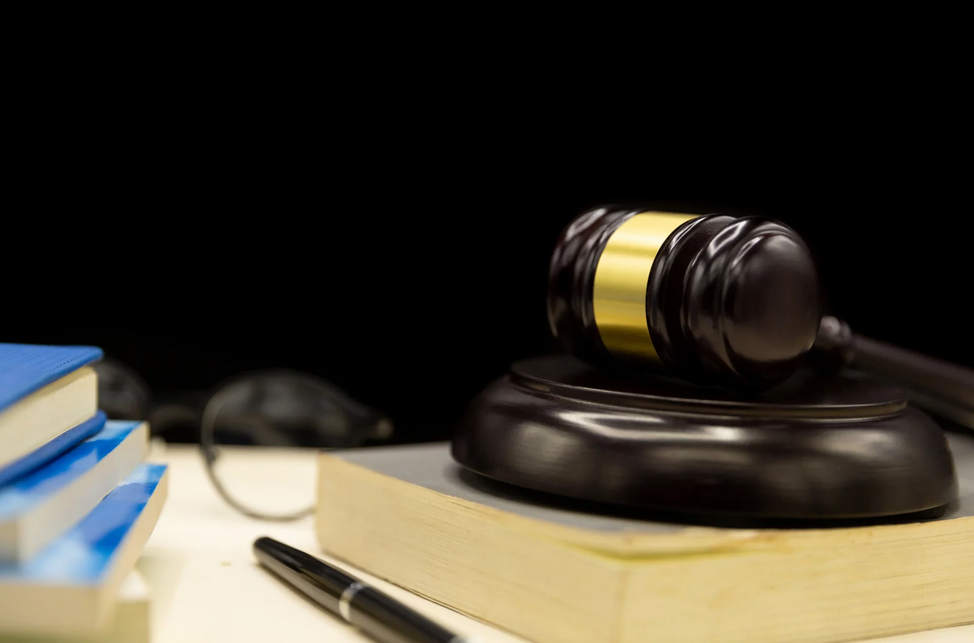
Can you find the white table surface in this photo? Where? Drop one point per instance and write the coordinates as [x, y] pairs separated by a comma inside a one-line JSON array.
[[207, 586]]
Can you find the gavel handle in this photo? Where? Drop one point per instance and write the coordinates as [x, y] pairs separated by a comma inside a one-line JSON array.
[[942, 387]]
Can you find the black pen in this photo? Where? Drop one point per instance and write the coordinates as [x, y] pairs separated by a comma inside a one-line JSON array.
[[376, 614]]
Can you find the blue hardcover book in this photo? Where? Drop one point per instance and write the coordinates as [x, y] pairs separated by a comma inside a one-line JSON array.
[[25, 368], [51, 450], [42, 505], [44, 391], [69, 588]]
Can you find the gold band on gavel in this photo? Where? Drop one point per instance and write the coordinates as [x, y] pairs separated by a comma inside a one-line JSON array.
[[621, 279]]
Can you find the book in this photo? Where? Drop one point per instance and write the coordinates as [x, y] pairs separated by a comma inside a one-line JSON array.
[[42, 505], [69, 588], [49, 451], [44, 391], [129, 624], [131, 621], [551, 570]]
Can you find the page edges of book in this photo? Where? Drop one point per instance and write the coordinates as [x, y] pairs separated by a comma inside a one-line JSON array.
[[454, 557], [855, 591], [628, 545], [56, 408], [83, 609], [623, 544], [81, 496]]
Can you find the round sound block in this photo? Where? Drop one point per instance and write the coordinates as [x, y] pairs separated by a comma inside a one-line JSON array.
[[821, 449]]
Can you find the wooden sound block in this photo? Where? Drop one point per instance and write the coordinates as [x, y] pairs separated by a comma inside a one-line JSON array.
[[816, 449]]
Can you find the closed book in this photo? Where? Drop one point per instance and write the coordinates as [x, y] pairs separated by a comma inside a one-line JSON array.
[[47, 452], [44, 392], [39, 507], [130, 622], [553, 570], [69, 588]]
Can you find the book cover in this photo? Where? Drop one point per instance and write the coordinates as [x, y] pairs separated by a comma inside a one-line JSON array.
[[27, 368], [69, 588], [44, 392], [40, 506], [548, 568]]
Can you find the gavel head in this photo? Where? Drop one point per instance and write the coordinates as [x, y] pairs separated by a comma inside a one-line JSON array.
[[714, 299]]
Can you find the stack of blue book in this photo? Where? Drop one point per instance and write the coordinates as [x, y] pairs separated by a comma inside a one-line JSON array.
[[77, 500]]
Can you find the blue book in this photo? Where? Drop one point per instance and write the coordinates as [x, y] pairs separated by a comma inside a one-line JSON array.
[[69, 588], [42, 505], [44, 391], [51, 450]]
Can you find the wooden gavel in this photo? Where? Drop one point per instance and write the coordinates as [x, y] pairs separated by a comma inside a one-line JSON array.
[[718, 300]]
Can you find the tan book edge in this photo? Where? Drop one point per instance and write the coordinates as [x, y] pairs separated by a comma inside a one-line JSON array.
[[47, 413], [550, 581], [27, 537], [129, 623]]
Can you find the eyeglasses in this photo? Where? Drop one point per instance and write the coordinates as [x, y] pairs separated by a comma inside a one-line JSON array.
[[286, 411]]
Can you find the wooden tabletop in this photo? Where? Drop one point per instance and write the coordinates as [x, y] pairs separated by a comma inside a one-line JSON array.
[[207, 586]]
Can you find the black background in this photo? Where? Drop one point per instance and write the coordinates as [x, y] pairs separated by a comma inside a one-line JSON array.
[[412, 272]]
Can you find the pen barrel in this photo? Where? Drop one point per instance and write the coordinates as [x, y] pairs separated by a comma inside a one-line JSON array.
[[322, 584], [377, 615], [390, 621]]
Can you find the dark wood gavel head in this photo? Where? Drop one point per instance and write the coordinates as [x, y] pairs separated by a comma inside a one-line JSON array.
[[714, 299], [725, 300]]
